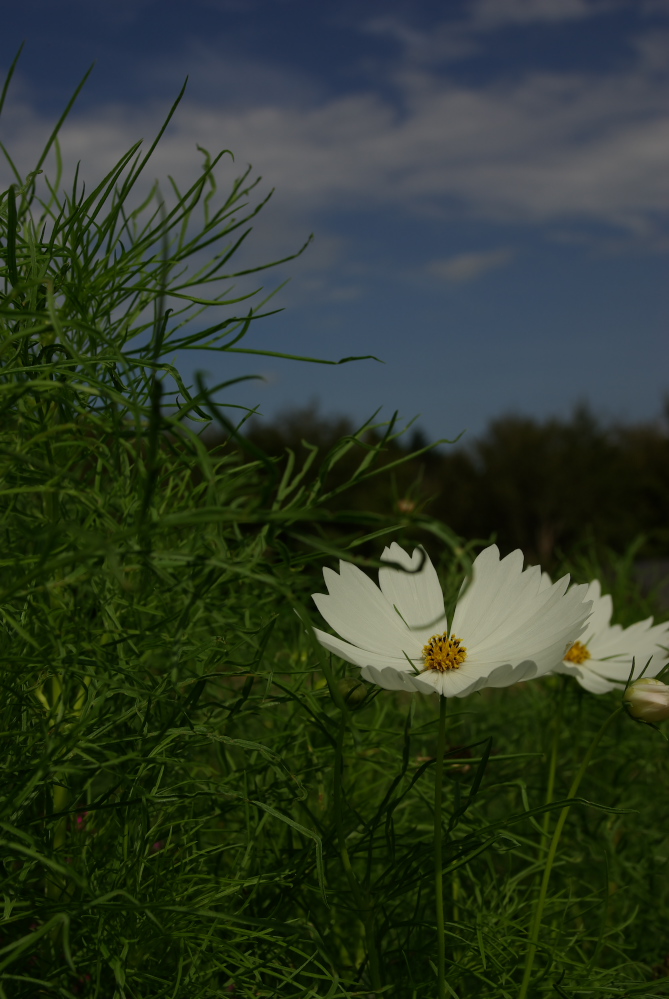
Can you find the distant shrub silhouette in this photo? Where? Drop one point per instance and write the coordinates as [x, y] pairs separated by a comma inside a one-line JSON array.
[[542, 486]]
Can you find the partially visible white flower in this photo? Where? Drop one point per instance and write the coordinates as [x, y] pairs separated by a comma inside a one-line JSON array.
[[648, 700], [601, 660], [509, 624]]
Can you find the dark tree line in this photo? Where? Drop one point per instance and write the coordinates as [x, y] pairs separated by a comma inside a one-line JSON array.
[[546, 487]]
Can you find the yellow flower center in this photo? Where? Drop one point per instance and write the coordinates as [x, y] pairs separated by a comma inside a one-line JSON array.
[[444, 652], [578, 654]]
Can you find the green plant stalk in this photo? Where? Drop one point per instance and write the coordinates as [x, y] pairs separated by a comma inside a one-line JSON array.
[[552, 766], [56, 885], [537, 916], [365, 906], [59, 800], [438, 877], [60, 795]]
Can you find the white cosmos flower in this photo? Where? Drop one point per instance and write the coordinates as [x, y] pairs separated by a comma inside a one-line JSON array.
[[509, 624], [602, 658]]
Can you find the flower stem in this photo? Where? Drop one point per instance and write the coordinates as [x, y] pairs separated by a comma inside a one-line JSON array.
[[535, 924], [438, 882], [552, 766]]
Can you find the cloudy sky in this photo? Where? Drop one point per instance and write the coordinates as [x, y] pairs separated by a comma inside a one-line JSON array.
[[487, 182]]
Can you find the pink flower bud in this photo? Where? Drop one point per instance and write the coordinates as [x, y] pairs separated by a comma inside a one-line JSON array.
[[648, 700], [81, 820]]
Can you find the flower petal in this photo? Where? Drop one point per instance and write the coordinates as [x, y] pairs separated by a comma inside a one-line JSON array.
[[510, 615], [489, 603], [356, 609], [362, 657], [597, 684], [613, 649], [505, 675], [602, 610], [633, 641], [544, 627], [389, 678], [416, 594]]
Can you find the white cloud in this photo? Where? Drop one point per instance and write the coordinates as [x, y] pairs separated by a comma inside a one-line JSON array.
[[653, 50], [467, 267], [238, 79], [447, 42], [495, 13], [548, 149], [460, 37]]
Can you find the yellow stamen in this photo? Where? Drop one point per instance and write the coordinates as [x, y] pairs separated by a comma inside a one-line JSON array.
[[578, 654], [444, 652]]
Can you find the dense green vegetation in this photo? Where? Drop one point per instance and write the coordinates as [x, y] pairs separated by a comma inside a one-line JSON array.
[[195, 801]]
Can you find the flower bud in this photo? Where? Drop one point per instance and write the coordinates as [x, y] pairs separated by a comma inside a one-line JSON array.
[[648, 700]]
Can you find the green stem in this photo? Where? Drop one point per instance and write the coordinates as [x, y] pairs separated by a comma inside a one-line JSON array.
[[59, 794], [438, 878], [364, 904], [552, 767], [535, 925]]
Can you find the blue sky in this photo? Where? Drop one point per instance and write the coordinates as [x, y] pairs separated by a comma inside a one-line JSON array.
[[487, 183]]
